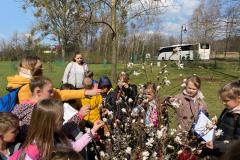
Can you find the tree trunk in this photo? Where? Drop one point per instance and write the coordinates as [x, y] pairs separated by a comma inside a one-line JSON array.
[[114, 42], [62, 48], [63, 53]]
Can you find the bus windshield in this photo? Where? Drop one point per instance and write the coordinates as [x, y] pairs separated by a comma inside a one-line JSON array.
[[204, 46]]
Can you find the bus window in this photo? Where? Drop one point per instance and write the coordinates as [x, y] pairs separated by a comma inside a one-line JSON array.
[[204, 46], [169, 49], [187, 48]]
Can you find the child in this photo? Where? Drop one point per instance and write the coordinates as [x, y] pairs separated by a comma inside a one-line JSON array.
[[89, 74], [107, 93], [151, 118], [30, 67], [229, 120], [71, 108], [42, 88], [44, 132], [124, 89], [124, 95], [75, 70], [189, 103], [8, 132], [94, 102]]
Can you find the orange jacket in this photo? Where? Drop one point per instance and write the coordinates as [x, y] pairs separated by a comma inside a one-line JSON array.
[[25, 92]]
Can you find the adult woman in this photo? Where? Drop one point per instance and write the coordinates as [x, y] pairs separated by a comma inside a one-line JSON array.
[[75, 70], [30, 67]]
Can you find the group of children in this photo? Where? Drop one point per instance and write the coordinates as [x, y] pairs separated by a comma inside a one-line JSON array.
[[46, 124]]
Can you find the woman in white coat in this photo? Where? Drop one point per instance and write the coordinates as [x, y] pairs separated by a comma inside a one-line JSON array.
[[75, 70]]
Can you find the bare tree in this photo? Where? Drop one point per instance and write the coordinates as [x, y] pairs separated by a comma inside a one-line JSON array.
[[58, 18], [115, 14], [204, 23]]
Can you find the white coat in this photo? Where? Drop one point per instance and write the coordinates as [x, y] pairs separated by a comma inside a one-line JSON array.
[[74, 74]]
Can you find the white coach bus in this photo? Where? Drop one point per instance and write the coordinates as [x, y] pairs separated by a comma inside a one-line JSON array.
[[185, 52]]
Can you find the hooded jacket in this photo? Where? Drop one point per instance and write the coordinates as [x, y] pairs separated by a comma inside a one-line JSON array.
[[189, 108], [229, 123], [95, 103], [24, 93]]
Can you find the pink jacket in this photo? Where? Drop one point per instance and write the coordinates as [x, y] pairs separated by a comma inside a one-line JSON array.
[[152, 114], [32, 153]]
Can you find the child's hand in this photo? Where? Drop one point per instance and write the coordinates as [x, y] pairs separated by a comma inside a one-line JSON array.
[[96, 126], [105, 111], [84, 110], [210, 144], [92, 92], [120, 84], [125, 85]]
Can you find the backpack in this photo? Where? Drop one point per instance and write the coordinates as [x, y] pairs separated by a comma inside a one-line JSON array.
[[8, 101]]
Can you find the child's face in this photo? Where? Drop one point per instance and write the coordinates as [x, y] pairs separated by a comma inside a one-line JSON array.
[[105, 90], [78, 58], [231, 103], [149, 94], [191, 89], [10, 135], [47, 91]]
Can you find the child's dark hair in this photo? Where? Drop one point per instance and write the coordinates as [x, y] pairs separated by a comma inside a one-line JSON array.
[[87, 83], [75, 54], [89, 74], [67, 86], [104, 82], [7, 121], [230, 90], [150, 85], [65, 154], [39, 82], [195, 80]]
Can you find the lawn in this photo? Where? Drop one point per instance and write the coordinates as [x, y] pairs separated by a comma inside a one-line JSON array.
[[212, 79]]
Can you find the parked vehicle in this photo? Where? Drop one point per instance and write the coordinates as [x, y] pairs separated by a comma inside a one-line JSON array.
[[185, 52]]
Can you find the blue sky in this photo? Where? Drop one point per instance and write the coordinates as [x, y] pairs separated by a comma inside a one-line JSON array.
[[13, 18]]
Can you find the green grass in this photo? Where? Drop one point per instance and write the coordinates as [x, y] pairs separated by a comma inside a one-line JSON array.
[[212, 79]]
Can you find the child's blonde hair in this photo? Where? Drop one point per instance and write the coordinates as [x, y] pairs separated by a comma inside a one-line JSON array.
[[123, 76], [195, 80], [230, 90], [46, 117], [29, 62], [7, 121]]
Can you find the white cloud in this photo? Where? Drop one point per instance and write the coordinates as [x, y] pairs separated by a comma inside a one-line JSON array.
[[172, 17], [178, 13]]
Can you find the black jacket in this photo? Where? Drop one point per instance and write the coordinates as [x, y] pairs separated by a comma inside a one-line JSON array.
[[229, 122]]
